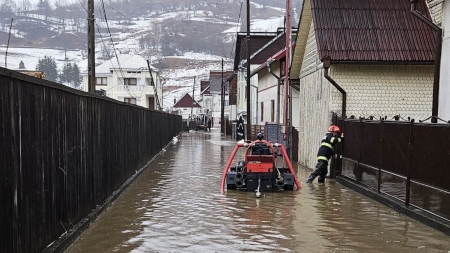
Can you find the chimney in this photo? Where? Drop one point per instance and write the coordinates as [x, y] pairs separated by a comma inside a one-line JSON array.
[[174, 101]]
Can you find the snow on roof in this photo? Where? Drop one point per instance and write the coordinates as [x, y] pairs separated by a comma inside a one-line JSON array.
[[126, 61]]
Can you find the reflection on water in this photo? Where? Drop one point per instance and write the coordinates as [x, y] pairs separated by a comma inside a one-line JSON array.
[[176, 206]]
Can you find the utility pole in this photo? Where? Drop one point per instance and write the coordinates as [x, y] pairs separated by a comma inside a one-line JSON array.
[[222, 106], [155, 90], [7, 45], [286, 72], [91, 47], [249, 123], [192, 106]]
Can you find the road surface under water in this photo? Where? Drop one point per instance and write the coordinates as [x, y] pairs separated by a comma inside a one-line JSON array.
[[175, 206]]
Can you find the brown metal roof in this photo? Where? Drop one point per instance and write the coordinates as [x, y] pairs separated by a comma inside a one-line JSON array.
[[372, 30], [257, 42]]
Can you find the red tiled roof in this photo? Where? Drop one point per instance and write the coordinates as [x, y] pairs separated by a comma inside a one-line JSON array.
[[372, 30], [186, 101]]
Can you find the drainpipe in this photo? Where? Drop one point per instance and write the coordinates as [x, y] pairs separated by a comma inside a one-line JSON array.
[[326, 66], [277, 111], [437, 58]]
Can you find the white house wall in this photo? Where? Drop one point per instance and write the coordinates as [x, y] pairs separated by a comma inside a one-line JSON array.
[[295, 115], [241, 99], [444, 89], [268, 92], [185, 112], [141, 92]]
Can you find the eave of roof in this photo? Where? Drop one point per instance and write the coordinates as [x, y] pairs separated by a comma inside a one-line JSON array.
[[279, 55]]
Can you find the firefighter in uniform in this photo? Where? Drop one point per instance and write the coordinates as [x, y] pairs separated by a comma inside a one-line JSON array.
[[324, 154]]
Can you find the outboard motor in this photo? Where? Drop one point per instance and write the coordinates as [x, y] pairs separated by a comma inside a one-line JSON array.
[[279, 183]]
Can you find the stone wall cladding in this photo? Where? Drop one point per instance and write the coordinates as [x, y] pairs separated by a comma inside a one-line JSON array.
[[383, 90], [315, 117]]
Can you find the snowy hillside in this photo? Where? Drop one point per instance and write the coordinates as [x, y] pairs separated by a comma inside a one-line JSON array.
[[132, 37]]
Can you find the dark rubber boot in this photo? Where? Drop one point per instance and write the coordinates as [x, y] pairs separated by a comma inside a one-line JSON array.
[[311, 177]]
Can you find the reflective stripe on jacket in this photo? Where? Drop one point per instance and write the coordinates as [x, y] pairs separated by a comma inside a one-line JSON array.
[[326, 147]]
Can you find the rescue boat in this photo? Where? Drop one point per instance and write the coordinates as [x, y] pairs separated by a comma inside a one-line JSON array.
[[258, 172]]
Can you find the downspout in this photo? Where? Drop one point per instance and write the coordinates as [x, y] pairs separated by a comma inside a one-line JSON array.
[[326, 66], [437, 59], [277, 111]]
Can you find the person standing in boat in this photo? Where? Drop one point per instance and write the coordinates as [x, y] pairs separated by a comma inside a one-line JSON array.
[[325, 152]]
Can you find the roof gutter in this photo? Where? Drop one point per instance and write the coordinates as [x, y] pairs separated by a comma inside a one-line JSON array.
[[437, 58], [277, 116], [326, 66]]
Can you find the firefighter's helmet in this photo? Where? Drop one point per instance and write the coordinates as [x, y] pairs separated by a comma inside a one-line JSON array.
[[334, 129], [260, 136]]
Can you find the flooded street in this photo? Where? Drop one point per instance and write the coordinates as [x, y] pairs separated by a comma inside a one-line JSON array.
[[175, 206]]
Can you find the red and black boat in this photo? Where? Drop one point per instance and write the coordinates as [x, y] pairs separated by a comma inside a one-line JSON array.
[[258, 172]]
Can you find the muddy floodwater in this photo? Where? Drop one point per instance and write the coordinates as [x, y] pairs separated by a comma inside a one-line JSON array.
[[175, 205]]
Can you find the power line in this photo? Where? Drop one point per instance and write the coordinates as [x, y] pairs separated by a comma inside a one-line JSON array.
[[115, 53], [237, 26]]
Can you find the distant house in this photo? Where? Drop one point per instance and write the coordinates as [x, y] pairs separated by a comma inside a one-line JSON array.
[[211, 91], [186, 106], [129, 80], [360, 58], [271, 91], [231, 83], [262, 46]]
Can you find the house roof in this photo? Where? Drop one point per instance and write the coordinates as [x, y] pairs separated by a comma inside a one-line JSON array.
[[204, 87], [186, 101], [365, 31], [126, 62], [276, 57], [270, 42], [372, 30], [215, 79]]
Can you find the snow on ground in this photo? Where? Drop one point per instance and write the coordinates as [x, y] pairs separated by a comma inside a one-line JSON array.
[[198, 56], [31, 56], [267, 25]]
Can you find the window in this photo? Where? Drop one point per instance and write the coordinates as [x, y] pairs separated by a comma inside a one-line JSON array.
[[262, 111], [130, 81], [148, 82], [101, 81], [130, 100], [272, 110]]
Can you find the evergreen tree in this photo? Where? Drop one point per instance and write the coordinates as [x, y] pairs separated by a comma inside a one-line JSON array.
[[75, 77], [70, 75], [66, 72], [48, 66]]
